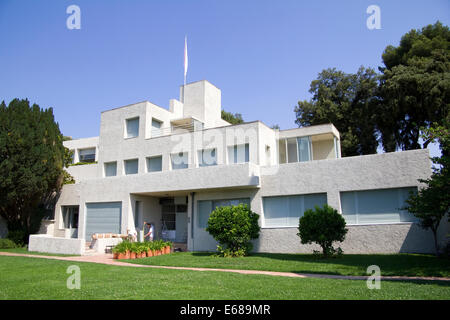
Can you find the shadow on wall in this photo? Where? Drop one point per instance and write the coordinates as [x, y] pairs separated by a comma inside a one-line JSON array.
[[419, 240]]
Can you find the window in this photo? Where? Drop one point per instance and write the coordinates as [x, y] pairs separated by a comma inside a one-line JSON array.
[[295, 150], [70, 217], [131, 166], [156, 127], [179, 160], [376, 206], [132, 126], [154, 164], [110, 169], [137, 214], [87, 155], [238, 154], [207, 157], [304, 149], [285, 211], [205, 207]]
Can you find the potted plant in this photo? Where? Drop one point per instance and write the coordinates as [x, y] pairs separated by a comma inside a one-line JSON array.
[[120, 251], [149, 249], [133, 250]]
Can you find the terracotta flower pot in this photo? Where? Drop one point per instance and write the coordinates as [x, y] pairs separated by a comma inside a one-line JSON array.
[[121, 256], [153, 253], [115, 255], [167, 249], [127, 254], [132, 255], [149, 253]]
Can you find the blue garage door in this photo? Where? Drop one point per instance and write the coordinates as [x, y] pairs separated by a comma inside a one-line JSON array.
[[103, 217]]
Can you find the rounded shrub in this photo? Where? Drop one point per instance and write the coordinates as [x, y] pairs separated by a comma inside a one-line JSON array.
[[322, 226], [7, 244], [233, 227]]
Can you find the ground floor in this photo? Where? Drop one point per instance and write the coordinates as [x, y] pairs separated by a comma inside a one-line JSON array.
[[369, 192]]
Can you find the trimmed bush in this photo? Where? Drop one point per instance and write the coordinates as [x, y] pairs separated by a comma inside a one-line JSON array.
[[7, 244], [322, 226], [233, 227]]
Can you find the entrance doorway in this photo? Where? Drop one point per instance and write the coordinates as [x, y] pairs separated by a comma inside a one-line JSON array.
[[173, 220]]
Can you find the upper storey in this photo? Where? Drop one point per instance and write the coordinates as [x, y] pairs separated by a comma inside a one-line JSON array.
[[144, 138]]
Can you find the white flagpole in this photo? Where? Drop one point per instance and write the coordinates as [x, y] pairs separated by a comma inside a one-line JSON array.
[[185, 59]]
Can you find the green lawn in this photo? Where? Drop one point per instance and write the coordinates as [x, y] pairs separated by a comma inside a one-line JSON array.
[[35, 278], [351, 264], [24, 250]]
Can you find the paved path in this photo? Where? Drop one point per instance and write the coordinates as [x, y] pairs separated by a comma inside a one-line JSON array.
[[108, 260]]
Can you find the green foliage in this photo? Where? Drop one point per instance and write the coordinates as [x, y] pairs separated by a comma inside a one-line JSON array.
[[31, 163], [7, 244], [232, 118], [432, 202], [233, 227], [348, 102], [415, 86], [322, 226], [81, 163]]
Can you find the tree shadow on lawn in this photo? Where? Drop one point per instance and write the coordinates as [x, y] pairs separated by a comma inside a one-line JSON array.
[[356, 264]]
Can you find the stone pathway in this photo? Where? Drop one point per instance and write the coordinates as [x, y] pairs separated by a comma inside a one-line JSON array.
[[108, 260]]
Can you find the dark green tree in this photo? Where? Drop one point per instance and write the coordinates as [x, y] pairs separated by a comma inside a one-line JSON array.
[[31, 165], [432, 203], [415, 87], [348, 101], [232, 118], [323, 226], [233, 227]]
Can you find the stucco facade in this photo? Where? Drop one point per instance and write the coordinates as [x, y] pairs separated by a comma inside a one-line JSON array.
[[137, 169]]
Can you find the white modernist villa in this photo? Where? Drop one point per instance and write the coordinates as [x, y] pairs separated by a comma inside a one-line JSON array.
[[173, 167]]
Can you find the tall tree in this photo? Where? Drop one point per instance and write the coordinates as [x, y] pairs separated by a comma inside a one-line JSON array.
[[415, 86], [432, 203], [232, 118], [349, 102], [31, 164]]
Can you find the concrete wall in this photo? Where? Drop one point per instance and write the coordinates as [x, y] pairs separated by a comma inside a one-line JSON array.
[[84, 172], [49, 244]]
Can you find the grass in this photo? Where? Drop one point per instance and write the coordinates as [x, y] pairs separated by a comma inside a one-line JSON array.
[[35, 278], [351, 264], [24, 250]]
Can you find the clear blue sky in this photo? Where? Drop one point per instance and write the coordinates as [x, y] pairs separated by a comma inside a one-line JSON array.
[[263, 55]]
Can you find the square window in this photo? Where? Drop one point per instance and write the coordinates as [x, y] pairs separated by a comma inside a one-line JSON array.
[[110, 169], [132, 128], [179, 160], [154, 164], [131, 166]]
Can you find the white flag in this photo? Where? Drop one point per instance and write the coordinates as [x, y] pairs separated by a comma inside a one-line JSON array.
[[185, 59]]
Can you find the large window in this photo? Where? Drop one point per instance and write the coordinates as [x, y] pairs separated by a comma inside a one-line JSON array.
[[295, 150], [207, 157], [110, 169], [179, 160], [132, 128], [87, 155], [205, 207], [285, 211], [131, 166], [154, 164], [376, 206], [156, 128], [238, 153], [70, 217]]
